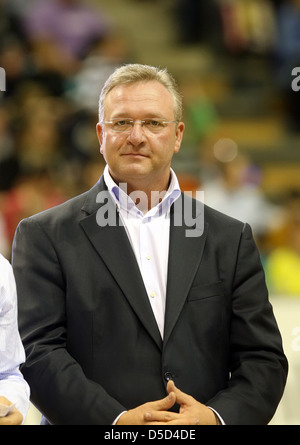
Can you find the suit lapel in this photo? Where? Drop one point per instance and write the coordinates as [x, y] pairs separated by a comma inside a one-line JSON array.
[[113, 246], [185, 253]]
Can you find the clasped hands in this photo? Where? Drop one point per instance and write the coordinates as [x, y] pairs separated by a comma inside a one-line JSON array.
[[191, 411]]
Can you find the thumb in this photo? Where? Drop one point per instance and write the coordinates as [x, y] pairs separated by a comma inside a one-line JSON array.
[[181, 397], [171, 386], [169, 400]]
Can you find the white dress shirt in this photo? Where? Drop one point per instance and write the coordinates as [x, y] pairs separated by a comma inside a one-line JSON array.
[[12, 384], [149, 237]]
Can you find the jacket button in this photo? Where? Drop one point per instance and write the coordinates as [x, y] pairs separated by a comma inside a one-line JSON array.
[[168, 376]]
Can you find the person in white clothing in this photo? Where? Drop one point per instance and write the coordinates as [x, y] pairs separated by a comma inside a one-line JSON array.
[[14, 390]]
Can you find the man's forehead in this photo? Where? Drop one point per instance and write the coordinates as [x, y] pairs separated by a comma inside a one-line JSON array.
[[149, 90], [147, 94]]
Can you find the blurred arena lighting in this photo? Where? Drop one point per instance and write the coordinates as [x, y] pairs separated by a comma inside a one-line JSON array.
[[225, 150]]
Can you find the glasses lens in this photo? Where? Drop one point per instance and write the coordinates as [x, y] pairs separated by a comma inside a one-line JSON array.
[[154, 125], [121, 125]]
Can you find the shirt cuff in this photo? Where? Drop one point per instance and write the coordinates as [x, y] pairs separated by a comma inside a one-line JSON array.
[[219, 418], [117, 418]]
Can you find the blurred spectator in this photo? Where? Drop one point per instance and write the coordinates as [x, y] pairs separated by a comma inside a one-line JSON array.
[[287, 57], [288, 38], [189, 183], [15, 61], [283, 262], [91, 172], [201, 116], [103, 58], [71, 24], [78, 133], [18, 7], [10, 23], [8, 161], [235, 191], [248, 26], [82, 92], [39, 145], [198, 22], [34, 192], [51, 67]]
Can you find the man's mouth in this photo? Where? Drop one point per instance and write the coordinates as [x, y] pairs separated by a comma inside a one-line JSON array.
[[135, 155]]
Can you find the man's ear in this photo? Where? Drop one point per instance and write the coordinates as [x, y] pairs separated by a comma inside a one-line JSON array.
[[99, 131], [179, 135]]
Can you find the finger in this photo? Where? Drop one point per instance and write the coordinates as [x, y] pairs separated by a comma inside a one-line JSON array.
[[158, 410], [160, 417], [15, 418], [163, 404], [182, 421]]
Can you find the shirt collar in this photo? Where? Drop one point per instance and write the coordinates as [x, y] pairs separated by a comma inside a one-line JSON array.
[[124, 202]]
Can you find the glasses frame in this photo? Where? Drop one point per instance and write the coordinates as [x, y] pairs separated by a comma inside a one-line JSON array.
[[133, 121]]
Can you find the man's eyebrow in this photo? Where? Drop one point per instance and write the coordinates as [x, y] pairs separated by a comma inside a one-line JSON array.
[[150, 115]]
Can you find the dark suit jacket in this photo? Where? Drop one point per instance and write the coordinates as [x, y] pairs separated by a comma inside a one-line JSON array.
[[93, 346]]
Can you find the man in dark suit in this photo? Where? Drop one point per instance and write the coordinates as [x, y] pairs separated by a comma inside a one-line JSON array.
[[133, 309]]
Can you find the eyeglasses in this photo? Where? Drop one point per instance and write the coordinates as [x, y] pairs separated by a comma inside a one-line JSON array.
[[125, 125]]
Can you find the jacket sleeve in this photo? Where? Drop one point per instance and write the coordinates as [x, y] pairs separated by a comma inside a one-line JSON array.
[[59, 387], [258, 365]]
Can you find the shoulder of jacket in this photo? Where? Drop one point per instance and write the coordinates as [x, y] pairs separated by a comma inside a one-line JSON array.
[[214, 216]]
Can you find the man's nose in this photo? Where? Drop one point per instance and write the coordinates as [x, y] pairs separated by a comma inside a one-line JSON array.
[[137, 133]]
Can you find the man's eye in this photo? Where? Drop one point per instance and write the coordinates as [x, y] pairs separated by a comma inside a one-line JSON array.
[[152, 123], [122, 123]]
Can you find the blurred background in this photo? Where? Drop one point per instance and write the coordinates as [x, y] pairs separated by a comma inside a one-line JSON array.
[[233, 60]]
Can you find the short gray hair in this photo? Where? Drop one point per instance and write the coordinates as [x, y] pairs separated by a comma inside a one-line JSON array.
[[132, 73]]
